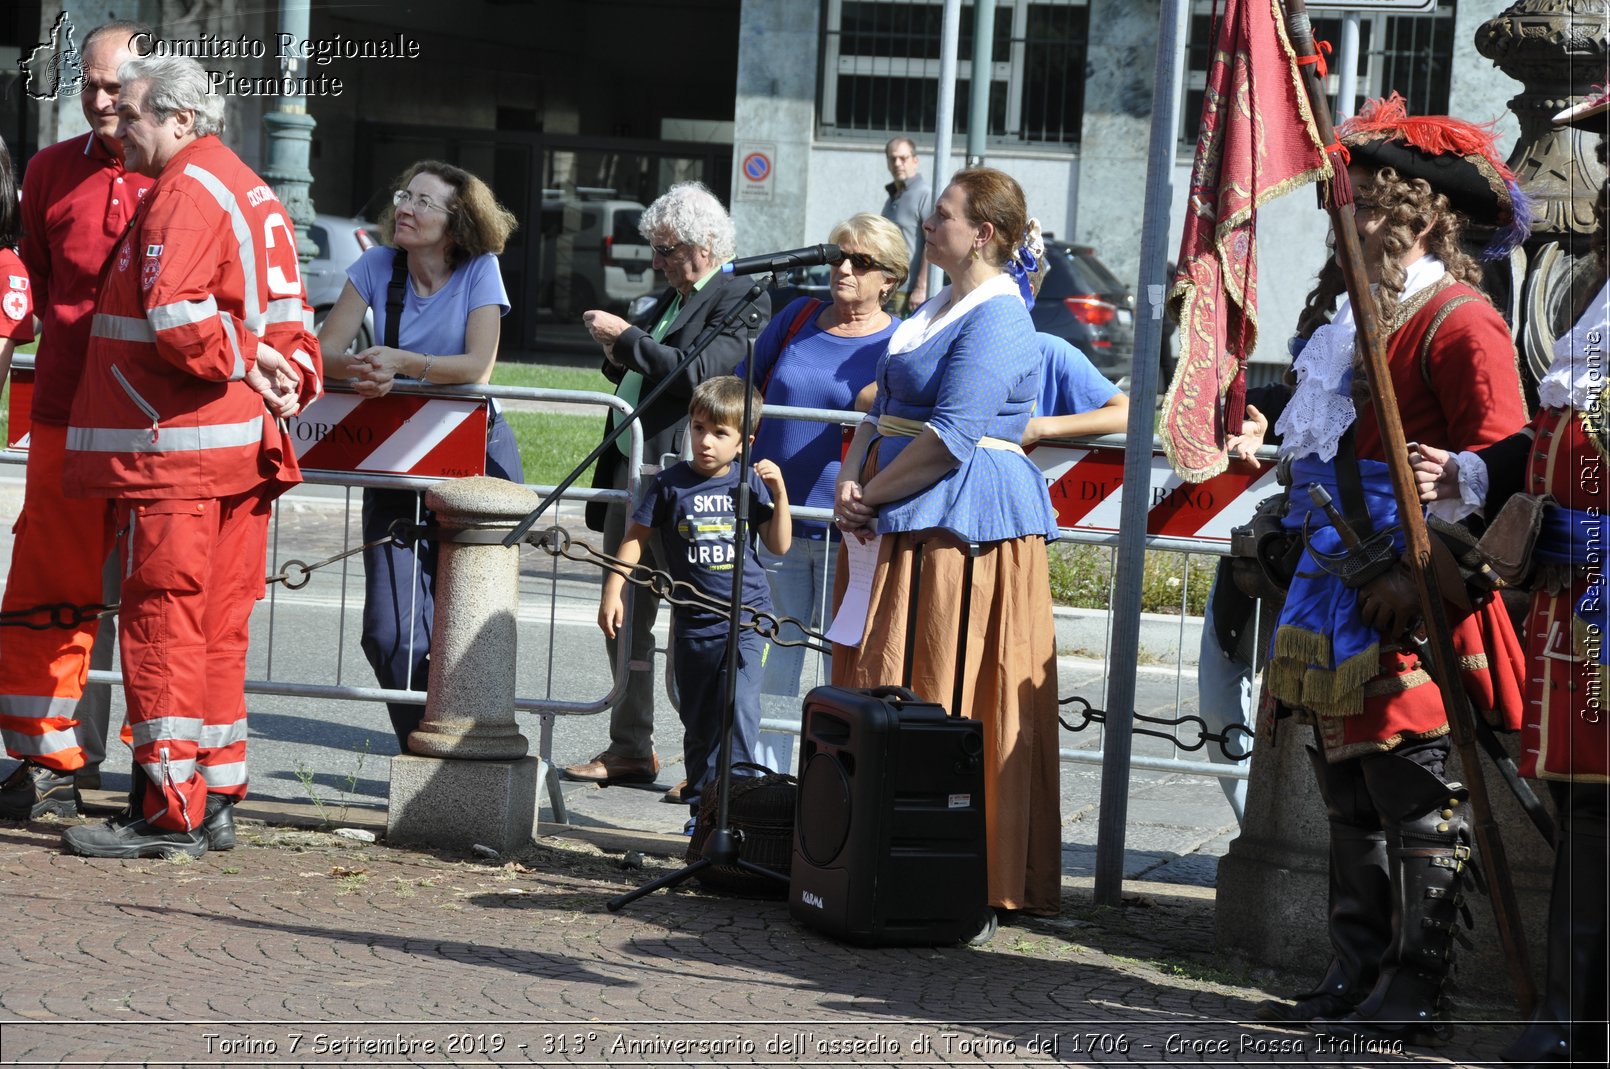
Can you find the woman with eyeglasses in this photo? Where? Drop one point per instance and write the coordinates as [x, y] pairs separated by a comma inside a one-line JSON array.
[[937, 471], [441, 240], [820, 354]]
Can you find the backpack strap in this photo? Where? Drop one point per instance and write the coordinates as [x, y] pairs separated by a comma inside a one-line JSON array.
[[396, 294], [807, 311]]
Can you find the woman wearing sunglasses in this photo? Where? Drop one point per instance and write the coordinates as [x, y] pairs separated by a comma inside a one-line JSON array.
[[819, 354], [442, 237]]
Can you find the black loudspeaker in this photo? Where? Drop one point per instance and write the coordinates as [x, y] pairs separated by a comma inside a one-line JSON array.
[[889, 834]]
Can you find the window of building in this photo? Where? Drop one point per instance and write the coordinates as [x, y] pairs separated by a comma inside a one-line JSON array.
[[1411, 54], [880, 69]]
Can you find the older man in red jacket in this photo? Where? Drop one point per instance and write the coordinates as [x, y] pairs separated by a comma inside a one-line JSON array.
[[201, 342]]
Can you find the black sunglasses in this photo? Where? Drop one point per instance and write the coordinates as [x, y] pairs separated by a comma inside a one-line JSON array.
[[666, 250], [862, 262]]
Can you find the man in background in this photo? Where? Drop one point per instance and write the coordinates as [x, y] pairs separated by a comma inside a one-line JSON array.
[[911, 200]]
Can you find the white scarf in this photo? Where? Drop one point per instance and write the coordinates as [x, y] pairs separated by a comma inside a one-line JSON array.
[[1576, 376], [1321, 409], [928, 320]]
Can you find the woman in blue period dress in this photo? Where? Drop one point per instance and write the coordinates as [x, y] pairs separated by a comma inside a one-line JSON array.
[[938, 463], [450, 228], [821, 361]]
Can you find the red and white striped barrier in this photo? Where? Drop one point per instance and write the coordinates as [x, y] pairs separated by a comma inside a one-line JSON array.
[[1086, 484], [398, 434], [19, 406]]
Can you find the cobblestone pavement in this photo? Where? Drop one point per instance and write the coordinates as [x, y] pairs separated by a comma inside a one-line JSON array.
[[303, 948]]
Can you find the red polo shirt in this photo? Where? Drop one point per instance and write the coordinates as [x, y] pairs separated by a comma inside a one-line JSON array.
[[76, 202]]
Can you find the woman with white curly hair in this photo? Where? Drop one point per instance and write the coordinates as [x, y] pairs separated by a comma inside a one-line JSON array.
[[692, 236]]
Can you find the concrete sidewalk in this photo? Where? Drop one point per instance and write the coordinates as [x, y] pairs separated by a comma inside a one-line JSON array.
[[301, 947]]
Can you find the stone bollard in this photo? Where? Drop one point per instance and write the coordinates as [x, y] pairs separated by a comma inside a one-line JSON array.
[[1271, 900], [468, 779]]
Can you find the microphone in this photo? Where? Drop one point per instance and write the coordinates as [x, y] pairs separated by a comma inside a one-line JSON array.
[[813, 256]]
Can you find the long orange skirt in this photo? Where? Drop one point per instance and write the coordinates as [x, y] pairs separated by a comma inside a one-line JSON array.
[[1010, 685]]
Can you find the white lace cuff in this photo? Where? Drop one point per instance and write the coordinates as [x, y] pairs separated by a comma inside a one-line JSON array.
[[1473, 485]]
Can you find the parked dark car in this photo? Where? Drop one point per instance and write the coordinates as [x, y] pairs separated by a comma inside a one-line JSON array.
[[1082, 301], [1079, 300]]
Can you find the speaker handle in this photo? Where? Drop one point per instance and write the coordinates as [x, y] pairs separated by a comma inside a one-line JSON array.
[[891, 691]]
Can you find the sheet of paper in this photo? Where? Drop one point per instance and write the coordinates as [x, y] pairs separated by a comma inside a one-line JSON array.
[[850, 621]]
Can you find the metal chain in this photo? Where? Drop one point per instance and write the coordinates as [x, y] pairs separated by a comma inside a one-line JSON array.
[[61, 614], [557, 542], [294, 574], [1092, 715]]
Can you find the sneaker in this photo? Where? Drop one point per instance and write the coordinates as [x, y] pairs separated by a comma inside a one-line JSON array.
[[34, 790], [128, 836], [220, 822], [689, 828]]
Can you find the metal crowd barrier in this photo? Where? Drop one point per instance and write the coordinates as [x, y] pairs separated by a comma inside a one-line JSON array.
[[546, 706]]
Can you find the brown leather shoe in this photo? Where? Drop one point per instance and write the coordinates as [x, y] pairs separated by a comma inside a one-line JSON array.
[[607, 768], [674, 795]]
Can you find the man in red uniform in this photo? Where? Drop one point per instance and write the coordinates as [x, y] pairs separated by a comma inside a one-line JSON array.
[[77, 201], [201, 341], [1342, 657]]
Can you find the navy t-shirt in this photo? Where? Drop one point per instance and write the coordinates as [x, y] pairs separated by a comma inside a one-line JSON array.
[[695, 517]]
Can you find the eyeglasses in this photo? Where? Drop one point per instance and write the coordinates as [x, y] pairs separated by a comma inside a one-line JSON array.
[[862, 262], [666, 250], [420, 201]]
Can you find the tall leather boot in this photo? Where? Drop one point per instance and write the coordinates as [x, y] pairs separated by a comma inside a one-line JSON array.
[[1360, 900], [1428, 851], [1569, 1024]]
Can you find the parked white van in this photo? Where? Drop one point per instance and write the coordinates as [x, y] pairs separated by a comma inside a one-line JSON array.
[[592, 253]]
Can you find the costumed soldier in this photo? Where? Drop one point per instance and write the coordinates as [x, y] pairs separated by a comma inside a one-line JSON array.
[[1557, 465], [1342, 657]]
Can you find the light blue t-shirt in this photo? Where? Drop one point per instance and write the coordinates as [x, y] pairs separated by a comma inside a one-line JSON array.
[[433, 324], [1069, 382]]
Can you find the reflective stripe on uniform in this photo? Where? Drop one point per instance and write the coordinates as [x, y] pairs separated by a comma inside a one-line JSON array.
[[232, 774], [122, 328], [286, 310], [179, 770], [243, 236], [23, 744], [217, 736], [182, 728], [238, 370], [182, 313], [171, 440], [37, 706]]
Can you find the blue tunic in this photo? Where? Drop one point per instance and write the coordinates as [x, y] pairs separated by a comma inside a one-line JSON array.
[[977, 377]]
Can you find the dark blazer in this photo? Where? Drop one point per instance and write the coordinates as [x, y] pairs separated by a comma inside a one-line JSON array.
[[665, 420]]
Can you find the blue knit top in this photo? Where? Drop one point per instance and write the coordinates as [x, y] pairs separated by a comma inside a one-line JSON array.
[[978, 376]]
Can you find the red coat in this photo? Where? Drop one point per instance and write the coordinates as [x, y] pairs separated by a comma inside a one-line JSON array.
[[208, 267], [77, 200], [1565, 733], [1453, 368]]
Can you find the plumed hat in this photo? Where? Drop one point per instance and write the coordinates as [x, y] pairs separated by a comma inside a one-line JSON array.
[[1457, 158]]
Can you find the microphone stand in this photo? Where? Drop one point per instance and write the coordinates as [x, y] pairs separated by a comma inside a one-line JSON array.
[[722, 847], [711, 333]]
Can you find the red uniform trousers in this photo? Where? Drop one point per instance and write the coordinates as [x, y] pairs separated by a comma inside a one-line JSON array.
[[60, 549], [193, 570]]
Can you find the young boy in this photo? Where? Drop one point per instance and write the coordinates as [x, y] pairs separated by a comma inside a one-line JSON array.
[[690, 507]]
